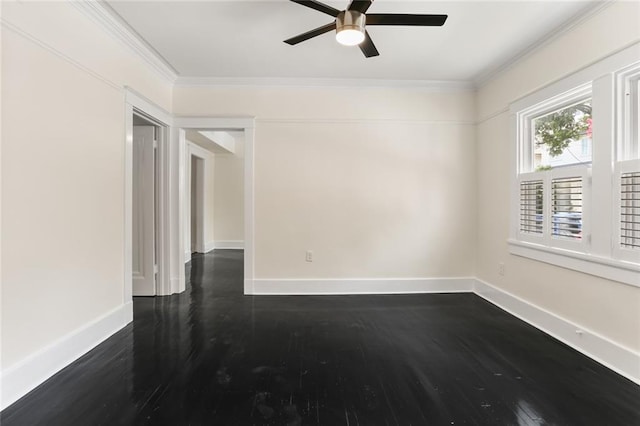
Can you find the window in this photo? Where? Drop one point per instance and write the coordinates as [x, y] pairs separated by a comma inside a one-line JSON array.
[[563, 137], [628, 83], [577, 143], [555, 169], [627, 167]]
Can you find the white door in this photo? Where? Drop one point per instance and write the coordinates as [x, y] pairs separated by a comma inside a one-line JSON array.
[[144, 270]]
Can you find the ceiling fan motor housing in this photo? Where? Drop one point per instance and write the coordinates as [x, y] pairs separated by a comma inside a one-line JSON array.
[[351, 20]]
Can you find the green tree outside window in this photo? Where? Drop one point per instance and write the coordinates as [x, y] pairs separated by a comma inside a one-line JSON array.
[[557, 130]]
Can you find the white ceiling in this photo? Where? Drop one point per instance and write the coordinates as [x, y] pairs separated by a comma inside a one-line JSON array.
[[244, 39]]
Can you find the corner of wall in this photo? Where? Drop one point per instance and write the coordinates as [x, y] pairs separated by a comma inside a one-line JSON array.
[[209, 245]]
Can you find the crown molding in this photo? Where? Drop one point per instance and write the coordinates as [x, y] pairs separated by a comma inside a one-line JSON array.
[[117, 27], [596, 7], [428, 85]]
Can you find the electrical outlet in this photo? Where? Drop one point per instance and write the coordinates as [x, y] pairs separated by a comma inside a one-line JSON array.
[[309, 256], [501, 269]]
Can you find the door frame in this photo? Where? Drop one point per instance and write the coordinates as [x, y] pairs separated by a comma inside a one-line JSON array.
[[203, 191], [247, 125], [137, 104], [145, 157], [171, 191]]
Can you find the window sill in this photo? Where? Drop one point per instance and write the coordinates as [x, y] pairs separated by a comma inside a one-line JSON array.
[[615, 270]]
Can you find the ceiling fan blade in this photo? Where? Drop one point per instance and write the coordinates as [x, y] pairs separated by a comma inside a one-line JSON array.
[[310, 34], [406, 19], [367, 46], [321, 7], [360, 5]]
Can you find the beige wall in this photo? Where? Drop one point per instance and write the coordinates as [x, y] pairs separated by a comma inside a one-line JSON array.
[[378, 183], [608, 308], [62, 172], [229, 193]]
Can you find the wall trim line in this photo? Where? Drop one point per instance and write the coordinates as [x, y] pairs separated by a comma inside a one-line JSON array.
[[491, 116], [28, 36], [29, 373], [365, 121], [614, 356]]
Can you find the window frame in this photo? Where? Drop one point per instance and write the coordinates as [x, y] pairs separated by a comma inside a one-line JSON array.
[[598, 252], [527, 116], [525, 170], [627, 152], [628, 108]]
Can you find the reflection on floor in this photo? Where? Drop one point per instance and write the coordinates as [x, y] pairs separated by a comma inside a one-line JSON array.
[[213, 356]]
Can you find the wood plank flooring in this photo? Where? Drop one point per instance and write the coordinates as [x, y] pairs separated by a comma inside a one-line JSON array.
[[212, 356]]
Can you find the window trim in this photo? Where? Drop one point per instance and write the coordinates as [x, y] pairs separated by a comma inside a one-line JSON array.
[[601, 259], [526, 116], [612, 269], [525, 170], [628, 129]]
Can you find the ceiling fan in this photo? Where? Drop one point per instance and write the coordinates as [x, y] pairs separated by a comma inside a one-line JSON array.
[[350, 24]]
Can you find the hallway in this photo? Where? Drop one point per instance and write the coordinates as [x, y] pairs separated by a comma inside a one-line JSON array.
[[214, 356]]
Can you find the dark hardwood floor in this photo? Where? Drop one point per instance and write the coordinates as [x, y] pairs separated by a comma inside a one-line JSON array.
[[212, 356]]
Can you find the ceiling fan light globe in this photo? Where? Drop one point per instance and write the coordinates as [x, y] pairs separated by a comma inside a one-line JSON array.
[[350, 37], [350, 25]]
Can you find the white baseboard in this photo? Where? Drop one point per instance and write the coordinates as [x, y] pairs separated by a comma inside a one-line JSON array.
[[210, 245], [232, 244], [187, 256], [622, 360], [175, 285], [25, 376], [128, 313], [361, 286]]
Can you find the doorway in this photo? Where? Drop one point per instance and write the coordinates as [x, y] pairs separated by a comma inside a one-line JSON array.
[[228, 224], [144, 259], [174, 189], [197, 179]]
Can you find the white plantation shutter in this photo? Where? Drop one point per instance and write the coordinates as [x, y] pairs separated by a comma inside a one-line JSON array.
[[567, 207], [531, 206], [630, 210], [552, 207]]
